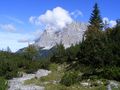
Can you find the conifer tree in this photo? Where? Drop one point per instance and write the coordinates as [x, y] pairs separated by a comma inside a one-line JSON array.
[[95, 19], [31, 51], [118, 22], [96, 25]]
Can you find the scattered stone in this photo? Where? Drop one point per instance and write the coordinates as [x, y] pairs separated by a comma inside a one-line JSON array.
[[18, 83], [100, 82], [114, 84], [41, 73], [46, 83], [85, 84], [109, 87]]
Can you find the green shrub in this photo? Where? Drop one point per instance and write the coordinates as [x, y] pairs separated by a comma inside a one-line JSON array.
[[12, 63], [53, 67], [70, 78], [112, 73], [3, 84], [10, 75], [33, 66]]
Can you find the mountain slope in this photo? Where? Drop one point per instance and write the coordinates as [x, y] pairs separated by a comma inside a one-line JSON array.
[[71, 34]]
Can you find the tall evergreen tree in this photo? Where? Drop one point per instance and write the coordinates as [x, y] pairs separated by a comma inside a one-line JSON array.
[[118, 22], [95, 19], [30, 52]]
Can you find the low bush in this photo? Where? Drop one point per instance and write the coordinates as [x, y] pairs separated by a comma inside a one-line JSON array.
[[70, 78], [12, 63], [112, 73]]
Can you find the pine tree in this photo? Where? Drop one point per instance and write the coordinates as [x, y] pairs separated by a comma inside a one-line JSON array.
[[96, 25], [95, 19], [30, 52], [118, 22]]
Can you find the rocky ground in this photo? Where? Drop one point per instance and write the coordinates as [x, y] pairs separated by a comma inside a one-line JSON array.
[[51, 82], [18, 83]]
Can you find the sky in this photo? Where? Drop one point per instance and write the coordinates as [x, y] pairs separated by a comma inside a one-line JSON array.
[[22, 21]]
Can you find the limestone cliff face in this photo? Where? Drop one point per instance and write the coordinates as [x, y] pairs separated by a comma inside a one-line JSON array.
[[69, 35]]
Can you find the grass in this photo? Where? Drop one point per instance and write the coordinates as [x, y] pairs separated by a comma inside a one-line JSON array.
[[73, 87], [51, 82], [57, 73], [3, 83]]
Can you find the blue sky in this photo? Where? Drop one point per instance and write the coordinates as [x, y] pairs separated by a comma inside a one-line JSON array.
[[16, 28]]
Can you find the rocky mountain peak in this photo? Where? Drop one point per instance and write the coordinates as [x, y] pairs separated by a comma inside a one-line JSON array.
[[71, 34]]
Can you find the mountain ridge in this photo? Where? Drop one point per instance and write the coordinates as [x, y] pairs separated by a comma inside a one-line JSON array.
[[71, 34]]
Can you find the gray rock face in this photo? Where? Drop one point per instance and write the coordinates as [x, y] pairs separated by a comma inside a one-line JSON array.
[[41, 73], [112, 84], [71, 34], [18, 83]]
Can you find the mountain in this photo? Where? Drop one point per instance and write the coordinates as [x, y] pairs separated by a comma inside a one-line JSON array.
[[41, 53], [71, 34]]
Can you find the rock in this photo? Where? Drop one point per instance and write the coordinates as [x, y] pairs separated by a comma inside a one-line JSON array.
[[114, 84], [18, 83], [85, 84], [100, 82], [71, 34], [109, 87], [41, 73]]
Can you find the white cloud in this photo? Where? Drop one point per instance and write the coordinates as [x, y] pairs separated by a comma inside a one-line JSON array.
[[11, 40], [105, 20], [31, 19], [56, 18], [24, 40], [37, 32], [8, 27], [15, 19], [111, 23], [34, 20], [30, 37], [77, 13]]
